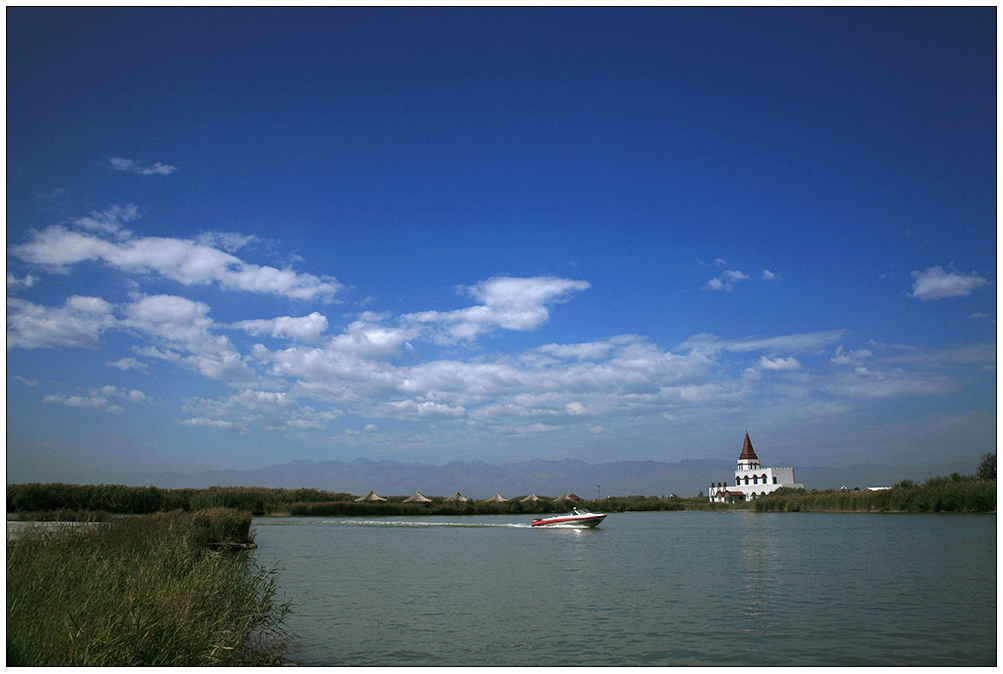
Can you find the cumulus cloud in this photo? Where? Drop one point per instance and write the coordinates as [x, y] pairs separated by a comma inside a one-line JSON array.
[[302, 328], [133, 166], [769, 276], [726, 281], [935, 283], [182, 333], [80, 322], [505, 302], [185, 261]]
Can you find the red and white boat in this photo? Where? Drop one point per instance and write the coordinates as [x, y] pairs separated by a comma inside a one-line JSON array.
[[578, 518]]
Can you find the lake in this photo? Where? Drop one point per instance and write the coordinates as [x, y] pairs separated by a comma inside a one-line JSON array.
[[643, 589]]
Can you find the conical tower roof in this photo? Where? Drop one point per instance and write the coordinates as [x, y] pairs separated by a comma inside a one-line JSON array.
[[748, 453]]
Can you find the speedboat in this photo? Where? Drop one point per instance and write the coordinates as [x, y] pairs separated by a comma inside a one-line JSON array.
[[578, 518]]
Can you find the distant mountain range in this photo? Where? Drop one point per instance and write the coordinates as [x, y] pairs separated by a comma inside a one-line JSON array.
[[477, 479]]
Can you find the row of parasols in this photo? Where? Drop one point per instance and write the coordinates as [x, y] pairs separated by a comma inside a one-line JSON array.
[[418, 497]]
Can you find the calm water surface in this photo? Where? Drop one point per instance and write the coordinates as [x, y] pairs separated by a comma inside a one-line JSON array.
[[643, 589]]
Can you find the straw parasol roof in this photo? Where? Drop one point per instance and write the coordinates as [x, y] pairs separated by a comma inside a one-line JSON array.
[[497, 498], [458, 498], [562, 498], [532, 498], [371, 496], [417, 497]]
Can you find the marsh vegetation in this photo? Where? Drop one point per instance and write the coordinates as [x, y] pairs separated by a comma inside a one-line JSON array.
[[145, 590], [949, 493]]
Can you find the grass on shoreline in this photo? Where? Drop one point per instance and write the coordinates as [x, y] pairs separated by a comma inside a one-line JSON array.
[[939, 494], [144, 591]]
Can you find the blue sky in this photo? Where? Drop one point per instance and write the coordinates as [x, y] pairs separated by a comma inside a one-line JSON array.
[[237, 238]]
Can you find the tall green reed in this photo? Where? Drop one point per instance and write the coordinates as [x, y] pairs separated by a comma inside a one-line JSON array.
[[140, 591]]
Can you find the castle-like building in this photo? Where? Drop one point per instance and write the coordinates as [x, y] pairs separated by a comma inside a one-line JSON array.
[[751, 479]]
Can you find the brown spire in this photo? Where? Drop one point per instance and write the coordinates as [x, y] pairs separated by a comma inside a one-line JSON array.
[[748, 453]]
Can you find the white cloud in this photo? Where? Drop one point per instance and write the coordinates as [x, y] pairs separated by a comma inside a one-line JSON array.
[[110, 220], [185, 261], [726, 281], [850, 357], [215, 424], [779, 364], [506, 302], [769, 276], [126, 364], [78, 323], [302, 328], [866, 383], [183, 328], [231, 242], [14, 283], [100, 399], [935, 283], [133, 166], [800, 342], [271, 410]]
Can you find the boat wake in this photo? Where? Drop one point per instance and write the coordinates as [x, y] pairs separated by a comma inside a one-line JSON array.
[[416, 524]]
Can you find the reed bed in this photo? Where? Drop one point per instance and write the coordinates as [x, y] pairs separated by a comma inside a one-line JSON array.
[[142, 591], [963, 495]]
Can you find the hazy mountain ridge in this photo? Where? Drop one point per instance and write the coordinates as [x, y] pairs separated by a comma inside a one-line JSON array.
[[478, 479]]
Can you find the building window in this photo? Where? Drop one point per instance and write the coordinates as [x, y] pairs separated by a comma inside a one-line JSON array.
[[774, 480]]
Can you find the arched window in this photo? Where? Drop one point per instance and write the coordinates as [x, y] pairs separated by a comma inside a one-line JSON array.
[[755, 479], [764, 478]]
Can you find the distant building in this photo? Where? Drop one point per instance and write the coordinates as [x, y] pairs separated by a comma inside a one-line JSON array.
[[751, 479], [417, 497]]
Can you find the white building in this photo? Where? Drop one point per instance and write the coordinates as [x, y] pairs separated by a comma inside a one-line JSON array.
[[751, 479]]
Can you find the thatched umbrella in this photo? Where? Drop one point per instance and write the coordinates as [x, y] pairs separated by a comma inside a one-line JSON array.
[[532, 498], [371, 496], [497, 498], [457, 498], [417, 497]]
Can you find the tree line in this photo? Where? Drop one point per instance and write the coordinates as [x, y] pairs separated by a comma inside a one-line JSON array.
[[74, 501], [117, 498]]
